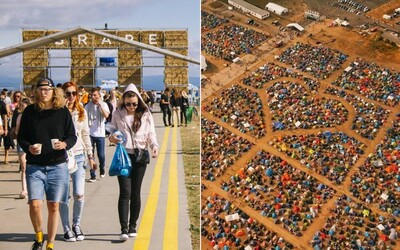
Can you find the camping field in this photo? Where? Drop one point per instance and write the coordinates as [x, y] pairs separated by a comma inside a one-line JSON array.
[[300, 143]]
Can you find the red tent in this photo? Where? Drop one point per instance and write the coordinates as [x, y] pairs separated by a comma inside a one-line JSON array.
[[384, 237], [285, 177], [392, 168]]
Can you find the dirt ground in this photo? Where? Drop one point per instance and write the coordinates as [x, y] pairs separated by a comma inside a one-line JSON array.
[[222, 74], [388, 9]]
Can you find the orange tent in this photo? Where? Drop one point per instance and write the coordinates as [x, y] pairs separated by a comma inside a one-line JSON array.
[[239, 233], [285, 177], [392, 168]]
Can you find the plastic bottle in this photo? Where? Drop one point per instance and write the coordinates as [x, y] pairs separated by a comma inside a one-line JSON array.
[[118, 134]]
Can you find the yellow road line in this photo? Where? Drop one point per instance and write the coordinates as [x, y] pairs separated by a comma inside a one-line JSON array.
[[171, 218], [146, 226]]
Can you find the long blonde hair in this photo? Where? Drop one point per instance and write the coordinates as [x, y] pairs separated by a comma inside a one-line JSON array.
[[58, 95]]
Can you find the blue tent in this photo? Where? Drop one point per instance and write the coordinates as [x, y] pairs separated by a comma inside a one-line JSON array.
[[279, 125], [269, 172], [327, 134]]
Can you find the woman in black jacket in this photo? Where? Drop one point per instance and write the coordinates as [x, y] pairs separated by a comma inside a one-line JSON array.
[[184, 106]]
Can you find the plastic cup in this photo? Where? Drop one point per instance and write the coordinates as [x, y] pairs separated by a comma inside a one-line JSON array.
[[54, 141], [38, 146]]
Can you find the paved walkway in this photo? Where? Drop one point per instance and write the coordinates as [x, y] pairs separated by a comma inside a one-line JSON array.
[[163, 223]]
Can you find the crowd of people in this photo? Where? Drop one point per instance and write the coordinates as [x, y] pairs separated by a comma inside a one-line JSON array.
[[372, 81], [271, 72], [230, 41], [351, 225], [369, 117], [225, 227], [377, 180], [51, 155], [290, 197], [210, 21], [319, 61], [331, 154], [241, 108], [292, 107], [219, 149]]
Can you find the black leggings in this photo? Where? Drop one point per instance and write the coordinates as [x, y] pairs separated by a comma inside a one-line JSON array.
[[129, 195], [166, 112]]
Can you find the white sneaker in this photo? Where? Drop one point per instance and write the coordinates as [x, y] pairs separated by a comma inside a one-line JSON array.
[[132, 232], [102, 175], [69, 236], [124, 235]]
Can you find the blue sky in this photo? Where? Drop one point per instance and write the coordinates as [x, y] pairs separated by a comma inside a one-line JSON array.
[[119, 14]]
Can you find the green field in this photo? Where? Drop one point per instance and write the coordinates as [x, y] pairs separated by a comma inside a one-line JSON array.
[[190, 137]]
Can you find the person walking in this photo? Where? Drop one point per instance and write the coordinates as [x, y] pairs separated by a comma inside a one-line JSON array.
[[97, 112], [47, 168], [176, 103], [164, 105], [83, 151], [25, 102], [1, 126], [83, 95], [134, 120], [184, 106], [6, 114]]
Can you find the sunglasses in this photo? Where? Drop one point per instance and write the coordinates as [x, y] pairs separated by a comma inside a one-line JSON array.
[[131, 104], [69, 94]]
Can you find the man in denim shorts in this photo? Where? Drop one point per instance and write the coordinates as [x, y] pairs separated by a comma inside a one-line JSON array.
[[45, 133]]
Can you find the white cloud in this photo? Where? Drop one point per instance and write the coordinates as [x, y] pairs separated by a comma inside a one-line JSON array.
[[42, 13]]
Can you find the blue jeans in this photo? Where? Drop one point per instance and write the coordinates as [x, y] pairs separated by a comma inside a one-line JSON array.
[[49, 180], [78, 190], [99, 144]]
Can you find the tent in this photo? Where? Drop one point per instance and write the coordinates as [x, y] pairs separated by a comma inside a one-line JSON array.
[[296, 26], [345, 23], [279, 125], [269, 172], [193, 93], [108, 84], [203, 63], [273, 7]]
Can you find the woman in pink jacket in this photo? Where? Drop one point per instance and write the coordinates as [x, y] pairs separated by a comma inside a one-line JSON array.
[[134, 120]]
